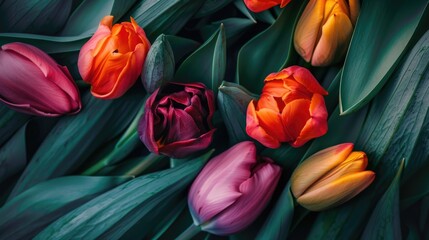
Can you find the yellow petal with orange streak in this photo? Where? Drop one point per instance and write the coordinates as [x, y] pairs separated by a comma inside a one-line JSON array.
[[336, 192]]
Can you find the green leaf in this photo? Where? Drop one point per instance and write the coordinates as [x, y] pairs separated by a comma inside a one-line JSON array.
[[74, 138], [239, 4], [269, 51], [17, 152], [210, 60], [374, 54], [384, 222], [279, 221], [391, 130], [41, 17], [87, 16], [167, 16], [233, 100], [10, 122], [234, 27], [121, 208], [48, 44], [211, 6], [415, 187], [159, 65], [181, 46], [31, 211]]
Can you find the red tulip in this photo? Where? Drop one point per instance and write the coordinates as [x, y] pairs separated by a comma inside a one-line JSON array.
[[291, 109], [232, 189], [32, 82], [261, 5], [177, 119], [112, 60]]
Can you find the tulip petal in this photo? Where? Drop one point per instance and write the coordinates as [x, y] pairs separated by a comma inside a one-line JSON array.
[[308, 28], [355, 162], [337, 192], [294, 117], [85, 55], [217, 185], [316, 125], [254, 130], [40, 96], [275, 87], [304, 77], [184, 148], [256, 192], [259, 6], [271, 122], [354, 10], [181, 126], [334, 41], [317, 165]]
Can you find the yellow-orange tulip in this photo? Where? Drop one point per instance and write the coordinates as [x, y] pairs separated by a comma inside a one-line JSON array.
[[324, 30], [331, 177], [113, 58]]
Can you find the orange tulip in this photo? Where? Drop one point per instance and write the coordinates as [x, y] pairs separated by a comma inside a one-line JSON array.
[[113, 58], [331, 177], [261, 5], [324, 30], [291, 109]]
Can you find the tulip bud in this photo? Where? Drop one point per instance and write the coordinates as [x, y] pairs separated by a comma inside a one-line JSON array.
[[113, 58], [32, 82], [324, 30], [331, 177], [159, 65], [232, 101], [177, 119], [232, 190], [261, 5], [291, 109]]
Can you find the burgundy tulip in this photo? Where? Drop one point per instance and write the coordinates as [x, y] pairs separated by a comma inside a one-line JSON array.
[[32, 82], [177, 119], [232, 190]]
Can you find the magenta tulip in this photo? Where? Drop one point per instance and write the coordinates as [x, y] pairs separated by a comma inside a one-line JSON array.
[[32, 82], [177, 119], [232, 190]]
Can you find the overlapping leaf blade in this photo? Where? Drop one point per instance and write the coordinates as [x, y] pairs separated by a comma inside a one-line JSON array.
[[269, 51], [115, 212], [74, 138], [31, 211], [211, 61], [384, 222], [390, 131], [382, 33], [10, 122]]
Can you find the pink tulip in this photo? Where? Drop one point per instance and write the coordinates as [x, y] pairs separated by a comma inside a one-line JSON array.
[[232, 190], [32, 82]]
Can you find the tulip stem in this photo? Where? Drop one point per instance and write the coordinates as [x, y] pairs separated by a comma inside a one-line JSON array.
[[189, 233], [95, 168]]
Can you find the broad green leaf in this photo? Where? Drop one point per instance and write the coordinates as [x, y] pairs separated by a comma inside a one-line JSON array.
[[74, 138], [379, 40], [239, 4], [122, 207], [33, 16], [391, 130], [159, 65], [10, 122], [384, 222], [279, 221], [49, 44], [17, 152], [269, 51], [87, 16], [211, 6], [167, 16], [234, 27], [31, 211], [181, 46], [207, 64], [128, 141], [232, 101], [286, 156], [415, 187], [168, 221]]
